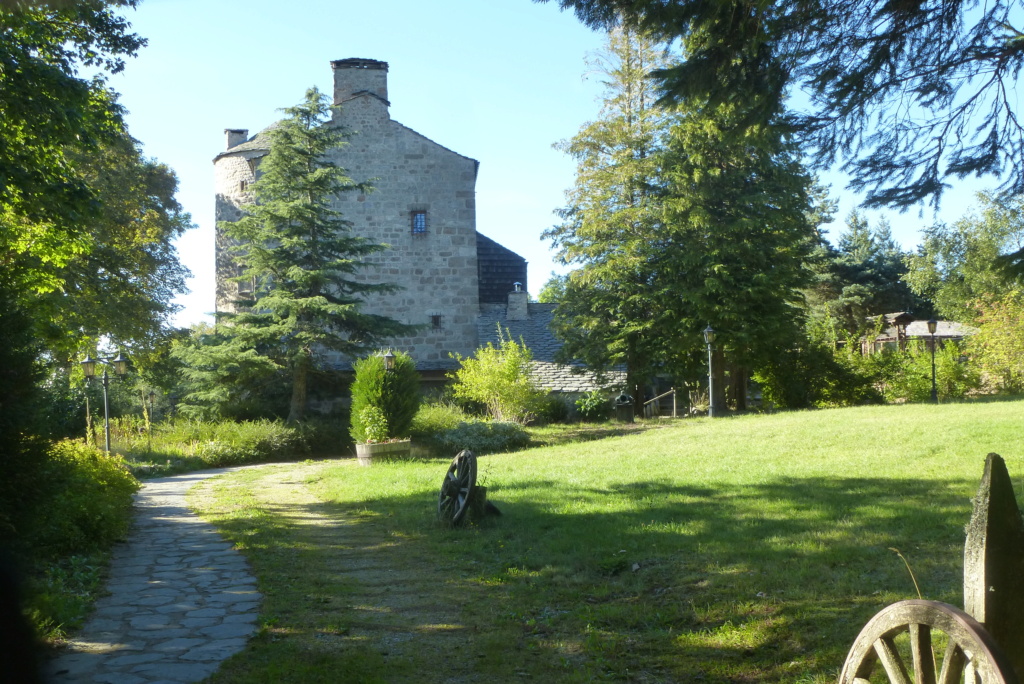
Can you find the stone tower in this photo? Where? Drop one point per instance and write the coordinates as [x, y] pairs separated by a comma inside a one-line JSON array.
[[423, 207]]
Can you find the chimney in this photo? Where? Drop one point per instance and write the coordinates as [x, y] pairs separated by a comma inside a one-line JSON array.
[[518, 301], [355, 76], [236, 136]]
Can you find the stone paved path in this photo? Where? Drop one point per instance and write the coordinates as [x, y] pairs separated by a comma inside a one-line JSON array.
[[181, 599]]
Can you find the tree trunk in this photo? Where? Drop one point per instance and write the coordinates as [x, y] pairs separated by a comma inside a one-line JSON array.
[[738, 378], [719, 373], [297, 408]]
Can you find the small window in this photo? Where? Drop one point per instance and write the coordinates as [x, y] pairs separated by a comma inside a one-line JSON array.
[[435, 321], [419, 222], [247, 287], [243, 186]]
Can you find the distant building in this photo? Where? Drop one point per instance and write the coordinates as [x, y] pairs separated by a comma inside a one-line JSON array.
[[900, 327], [454, 280]]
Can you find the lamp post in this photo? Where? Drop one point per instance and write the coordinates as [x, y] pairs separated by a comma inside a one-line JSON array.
[[389, 361], [709, 338], [932, 325], [149, 421], [120, 365]]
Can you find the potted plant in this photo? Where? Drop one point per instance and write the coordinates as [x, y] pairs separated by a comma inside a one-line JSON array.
[[385, 398]]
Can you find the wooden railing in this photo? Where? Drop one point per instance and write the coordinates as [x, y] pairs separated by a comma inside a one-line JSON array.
[[648, 412]]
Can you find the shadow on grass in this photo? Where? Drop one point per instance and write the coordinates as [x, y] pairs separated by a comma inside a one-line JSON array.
[[655, 579]]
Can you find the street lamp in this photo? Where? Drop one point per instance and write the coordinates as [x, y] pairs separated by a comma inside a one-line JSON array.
[[932, 325], [149, 421], [389, 361], [120, 365], [709, 337]]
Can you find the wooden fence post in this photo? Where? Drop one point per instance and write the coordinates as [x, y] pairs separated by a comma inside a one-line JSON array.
[[994, 562]]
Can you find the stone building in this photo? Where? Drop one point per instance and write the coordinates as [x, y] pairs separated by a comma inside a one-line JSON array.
[[423, 207]]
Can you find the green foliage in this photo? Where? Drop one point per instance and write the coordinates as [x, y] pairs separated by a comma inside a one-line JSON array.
[[863, 276], [906, 376], [87, 223], [956, 264], [553, 409], [812, 376], [394, 394], [302, 255], [499, 378], [551, 292], [84, 502], [997, 349], [22, 451], [594, 405], [484, 437], [61, 592], [226, 443], [374, 424], [184, 445], [52, 121], [223, 377], [434, 417], [124, 285]]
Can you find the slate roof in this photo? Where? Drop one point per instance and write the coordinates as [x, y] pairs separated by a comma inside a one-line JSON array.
[[944, 330], [259, 142], [536, 332], [948, 330], [499, 268]]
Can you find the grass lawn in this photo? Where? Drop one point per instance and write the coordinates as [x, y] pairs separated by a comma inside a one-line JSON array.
[[741, 549]]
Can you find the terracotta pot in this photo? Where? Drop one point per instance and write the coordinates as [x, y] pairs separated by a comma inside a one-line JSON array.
[[385, 451]]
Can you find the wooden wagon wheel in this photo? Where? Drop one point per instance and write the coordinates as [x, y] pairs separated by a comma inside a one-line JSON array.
[[457, 487], [969, 654]]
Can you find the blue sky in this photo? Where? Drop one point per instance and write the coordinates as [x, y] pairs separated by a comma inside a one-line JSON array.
[[497, 80]]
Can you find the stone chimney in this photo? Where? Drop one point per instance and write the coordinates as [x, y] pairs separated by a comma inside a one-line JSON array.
[[518, 304], [355, 76], [236, 136]]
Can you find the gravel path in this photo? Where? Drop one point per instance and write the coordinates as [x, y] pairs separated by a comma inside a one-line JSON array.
[[181, 601]]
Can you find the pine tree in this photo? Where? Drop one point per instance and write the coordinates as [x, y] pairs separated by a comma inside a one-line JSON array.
[[862, 278], [605, 316], [736, 236], [301, 254]]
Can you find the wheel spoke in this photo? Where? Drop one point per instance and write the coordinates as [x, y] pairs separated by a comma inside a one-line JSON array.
[[970, 654], [953, 663], [890, 659], [922, 657]]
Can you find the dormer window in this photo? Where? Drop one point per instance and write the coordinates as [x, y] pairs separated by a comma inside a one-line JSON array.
[[419, 221]]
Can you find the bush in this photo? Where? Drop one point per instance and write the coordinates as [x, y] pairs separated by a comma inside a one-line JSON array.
[[907, 375], [997, 349], [499, 377], [433, 420], [553, 409], [484, 437], [395, 393], [814, 376], [324, 435], [226, 443], [593, 406], [85, 504]]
